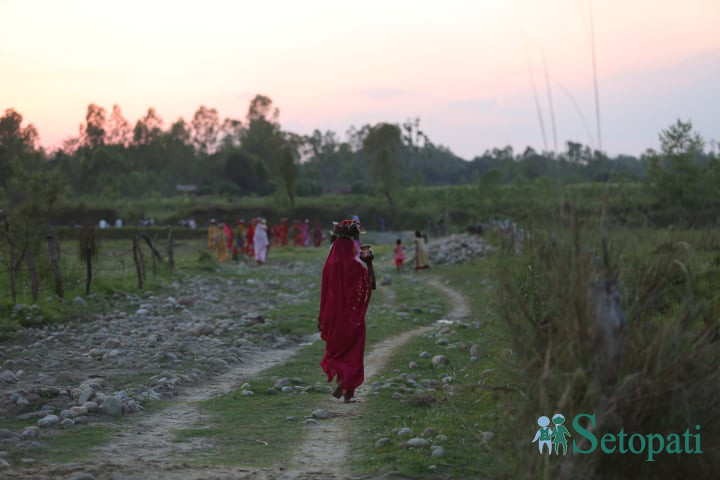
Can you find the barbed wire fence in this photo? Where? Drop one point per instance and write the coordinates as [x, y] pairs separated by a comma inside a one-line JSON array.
[[63, 265]]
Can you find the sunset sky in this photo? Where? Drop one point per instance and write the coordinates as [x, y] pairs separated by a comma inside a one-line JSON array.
[[458, 65]]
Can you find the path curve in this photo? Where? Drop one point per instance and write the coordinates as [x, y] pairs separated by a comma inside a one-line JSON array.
[[326, 448]]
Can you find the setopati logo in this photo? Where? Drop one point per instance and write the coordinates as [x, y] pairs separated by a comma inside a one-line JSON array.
[[650, 444]]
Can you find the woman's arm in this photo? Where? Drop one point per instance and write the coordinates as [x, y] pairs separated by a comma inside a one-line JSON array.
[[371, 271]]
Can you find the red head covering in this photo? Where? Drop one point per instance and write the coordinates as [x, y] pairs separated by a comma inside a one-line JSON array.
[[344, 298]]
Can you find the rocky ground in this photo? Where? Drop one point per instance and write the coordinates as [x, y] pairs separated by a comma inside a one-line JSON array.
[[458, 249], [148, 346]]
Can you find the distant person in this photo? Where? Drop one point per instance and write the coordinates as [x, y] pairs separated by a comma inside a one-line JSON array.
[[317, 234], [118, 223], [212, 234], [422, 261], [399, 255], [192, 223], [239, 239], [229, 236], [103, 224], [261, 243], [344, 297], [276, 235], [221, 244], [250, 238], [306, 236], [297, 233]]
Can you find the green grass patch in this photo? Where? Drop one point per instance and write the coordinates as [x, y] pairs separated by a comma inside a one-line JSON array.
[[470, 404]]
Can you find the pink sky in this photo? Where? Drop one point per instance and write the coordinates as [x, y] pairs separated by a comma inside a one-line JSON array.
[[459, 66]]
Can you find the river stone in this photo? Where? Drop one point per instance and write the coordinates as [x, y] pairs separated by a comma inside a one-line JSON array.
[[249, 393], [64, 377], [417, 442], [429, 432], [404, 432], [86, 395], [82, 476], [412, 365], [439, 360], [67, 423], [69, 414], [475, 350], [382, 442], [437, 452], [30, 433], [82, 420], [79, 301], [8, 377], [91, 406], [48, 421], [288, 389], [112, 406], [424, 355], [441, 438], [4, 463], [202, 329], [5, 433], [320, 413]]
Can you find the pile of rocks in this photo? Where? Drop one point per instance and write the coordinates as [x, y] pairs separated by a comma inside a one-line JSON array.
[[458, 249], [404, 437]]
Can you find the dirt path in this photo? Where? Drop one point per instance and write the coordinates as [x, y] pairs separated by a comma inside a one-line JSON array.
[[146, 449], [152, 439], [326, 449]]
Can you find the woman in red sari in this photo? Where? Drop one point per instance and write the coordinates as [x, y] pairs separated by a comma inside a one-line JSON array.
[[344, 298]]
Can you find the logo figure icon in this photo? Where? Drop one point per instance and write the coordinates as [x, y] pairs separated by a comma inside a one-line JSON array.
[[559, 433], [544, 434]]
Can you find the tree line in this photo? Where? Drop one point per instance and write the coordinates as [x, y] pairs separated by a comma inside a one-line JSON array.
[[112, 158]]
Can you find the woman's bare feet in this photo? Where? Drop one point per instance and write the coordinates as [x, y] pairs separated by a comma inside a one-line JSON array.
[[338, 391]]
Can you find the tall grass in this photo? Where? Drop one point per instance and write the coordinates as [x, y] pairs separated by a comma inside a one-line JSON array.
[[624, 326]]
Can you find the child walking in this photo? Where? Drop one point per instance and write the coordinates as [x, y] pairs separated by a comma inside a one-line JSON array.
[[399, 255]]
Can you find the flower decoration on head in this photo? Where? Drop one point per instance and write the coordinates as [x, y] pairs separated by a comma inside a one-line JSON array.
[[348, 228]]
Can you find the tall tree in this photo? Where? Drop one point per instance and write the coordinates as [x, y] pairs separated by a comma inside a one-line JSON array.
[[205, 130], [94, 134], [148, 129], [382, 145], [16, 141], [118, 128]]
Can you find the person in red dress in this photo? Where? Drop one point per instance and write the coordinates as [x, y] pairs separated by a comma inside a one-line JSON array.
[[348, 279], [284, 231], [276, 234], [249, 246]]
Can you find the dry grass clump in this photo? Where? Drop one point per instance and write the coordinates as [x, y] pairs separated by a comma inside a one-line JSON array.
[[619, 327]]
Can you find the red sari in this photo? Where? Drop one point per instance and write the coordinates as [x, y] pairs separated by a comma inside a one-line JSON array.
[[344, 298]]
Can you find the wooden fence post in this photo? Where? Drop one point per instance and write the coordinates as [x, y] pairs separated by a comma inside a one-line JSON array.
[[170, 253], [34, 282], [153, 252], [136, 257], [11, 259], [55, 263], [88, 280]]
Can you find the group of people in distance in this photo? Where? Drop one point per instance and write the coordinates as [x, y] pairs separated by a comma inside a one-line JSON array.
[[421, 260], [255, 238]]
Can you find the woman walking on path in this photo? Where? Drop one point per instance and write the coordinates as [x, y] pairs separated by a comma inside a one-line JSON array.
[[422, 261], [344, 298]]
